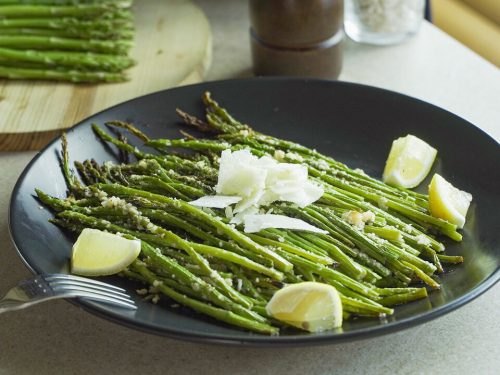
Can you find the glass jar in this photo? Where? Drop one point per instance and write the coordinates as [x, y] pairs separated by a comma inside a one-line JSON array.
[[297, 37], [382, 22]]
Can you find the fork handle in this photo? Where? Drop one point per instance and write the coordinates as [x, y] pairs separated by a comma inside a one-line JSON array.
[[12, 305]]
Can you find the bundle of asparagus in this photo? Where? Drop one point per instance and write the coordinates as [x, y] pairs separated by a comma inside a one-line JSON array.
[[199, 259], [67, 40]]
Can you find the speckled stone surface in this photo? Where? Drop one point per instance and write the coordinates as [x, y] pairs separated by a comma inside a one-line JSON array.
[[59, 338]]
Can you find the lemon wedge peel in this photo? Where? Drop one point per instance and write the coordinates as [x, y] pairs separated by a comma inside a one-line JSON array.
[[98, 253], [311, 306], [447, 202], [409, 162]]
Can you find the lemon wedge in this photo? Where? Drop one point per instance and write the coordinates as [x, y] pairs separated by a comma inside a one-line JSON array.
[[98, 253], [311, 306], [447, 202], [409, 162]]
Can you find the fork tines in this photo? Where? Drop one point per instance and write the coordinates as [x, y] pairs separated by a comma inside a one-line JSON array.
[[89, 288]]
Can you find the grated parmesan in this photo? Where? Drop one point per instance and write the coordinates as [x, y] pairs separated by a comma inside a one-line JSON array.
[[157, 283], [358, 219], [382, 203], [239, 284], [279, 155], [423, 240]]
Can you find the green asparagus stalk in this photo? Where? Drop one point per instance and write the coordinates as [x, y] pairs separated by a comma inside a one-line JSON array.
[[400, 298], [124, 34], [74, 25], [80, 10], [73, 60], [455, 259], [57, 75], [60, 2], [27, 42]]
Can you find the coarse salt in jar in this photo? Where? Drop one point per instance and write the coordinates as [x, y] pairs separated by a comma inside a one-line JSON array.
[[382, 22]]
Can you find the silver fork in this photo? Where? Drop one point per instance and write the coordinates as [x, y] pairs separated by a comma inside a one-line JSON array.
[[46, 287]]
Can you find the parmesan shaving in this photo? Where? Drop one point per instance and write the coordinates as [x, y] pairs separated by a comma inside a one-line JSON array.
[[229, 212], [256, 223], [252, 182], [238, 218], [215, 201], [261, 181]]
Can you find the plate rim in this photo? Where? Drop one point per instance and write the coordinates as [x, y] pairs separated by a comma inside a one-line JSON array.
[[257, 340]]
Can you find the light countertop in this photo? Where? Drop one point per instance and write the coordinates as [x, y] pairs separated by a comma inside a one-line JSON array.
[[59, 338]]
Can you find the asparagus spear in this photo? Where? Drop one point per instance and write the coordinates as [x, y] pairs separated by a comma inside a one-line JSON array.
[[59, 2], [79, 10], [57, 75], [74, 25], [24, 42], [69, 33], [75, 60]]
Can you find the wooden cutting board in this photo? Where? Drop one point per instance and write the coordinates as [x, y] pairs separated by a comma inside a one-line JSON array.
[[173, 46]]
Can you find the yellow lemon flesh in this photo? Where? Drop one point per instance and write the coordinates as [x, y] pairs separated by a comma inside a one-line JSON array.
[[311, 306], [447, 202], [98, 253], [409, 162]]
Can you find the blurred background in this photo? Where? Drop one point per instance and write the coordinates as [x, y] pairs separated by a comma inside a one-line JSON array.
[[475, 23]]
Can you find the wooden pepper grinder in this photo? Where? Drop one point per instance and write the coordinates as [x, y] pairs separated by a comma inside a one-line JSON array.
[[297, 37]]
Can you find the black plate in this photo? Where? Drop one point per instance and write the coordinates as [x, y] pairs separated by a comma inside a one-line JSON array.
[[355, 124]]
